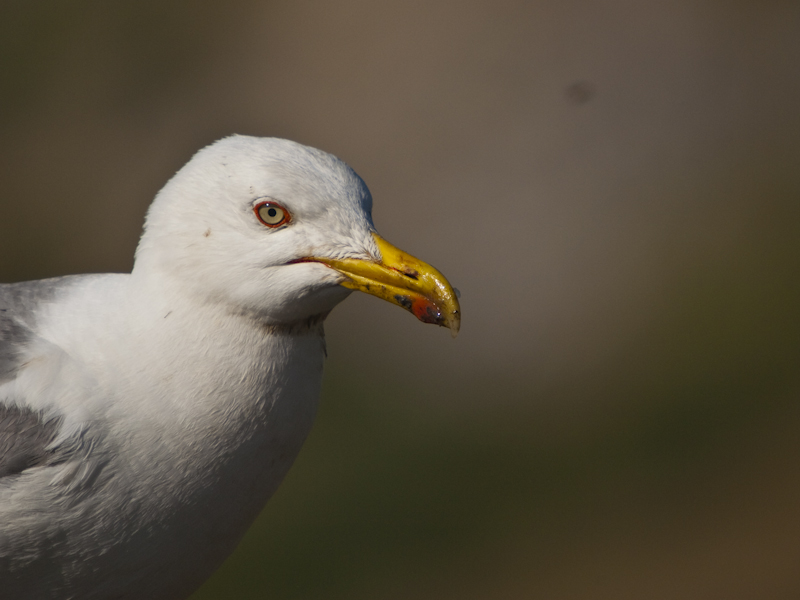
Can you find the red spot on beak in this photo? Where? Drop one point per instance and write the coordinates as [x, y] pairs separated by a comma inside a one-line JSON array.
[[425, 310]]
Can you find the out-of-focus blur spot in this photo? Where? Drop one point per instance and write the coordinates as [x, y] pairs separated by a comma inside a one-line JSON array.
[[613, 186], [580, 92]]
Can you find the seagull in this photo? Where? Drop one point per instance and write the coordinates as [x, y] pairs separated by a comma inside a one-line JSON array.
[[147, 417]]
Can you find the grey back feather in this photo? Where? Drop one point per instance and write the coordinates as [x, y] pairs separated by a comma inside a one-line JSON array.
[[13, 338], [25, 440]]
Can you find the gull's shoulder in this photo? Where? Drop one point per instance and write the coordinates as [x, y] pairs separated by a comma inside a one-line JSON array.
[[24, 300], [22, 306], [19, 305]]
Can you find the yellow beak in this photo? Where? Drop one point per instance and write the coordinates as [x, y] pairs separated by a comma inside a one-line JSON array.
[[403, 280]]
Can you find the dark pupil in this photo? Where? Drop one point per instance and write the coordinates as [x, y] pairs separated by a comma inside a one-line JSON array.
[[272, 212]]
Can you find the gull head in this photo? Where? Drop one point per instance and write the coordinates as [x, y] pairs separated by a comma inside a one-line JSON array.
[[282, 231]]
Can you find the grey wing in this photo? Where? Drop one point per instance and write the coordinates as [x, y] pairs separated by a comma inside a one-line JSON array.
[[26, 435], [45, 474]]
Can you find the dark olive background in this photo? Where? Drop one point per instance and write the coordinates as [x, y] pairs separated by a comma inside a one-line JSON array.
[[613, 186]]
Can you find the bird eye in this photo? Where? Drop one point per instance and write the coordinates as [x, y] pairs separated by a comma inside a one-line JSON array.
[[272, 214]]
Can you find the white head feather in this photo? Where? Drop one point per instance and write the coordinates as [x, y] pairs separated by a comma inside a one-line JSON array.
[[201, 231]]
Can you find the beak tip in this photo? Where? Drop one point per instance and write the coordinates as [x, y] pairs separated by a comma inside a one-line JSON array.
[[454, 324]]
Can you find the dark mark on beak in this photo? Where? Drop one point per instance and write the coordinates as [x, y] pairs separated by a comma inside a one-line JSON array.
[[403, 301]]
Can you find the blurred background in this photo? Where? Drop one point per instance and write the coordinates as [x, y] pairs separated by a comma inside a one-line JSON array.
[[614, 186]]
